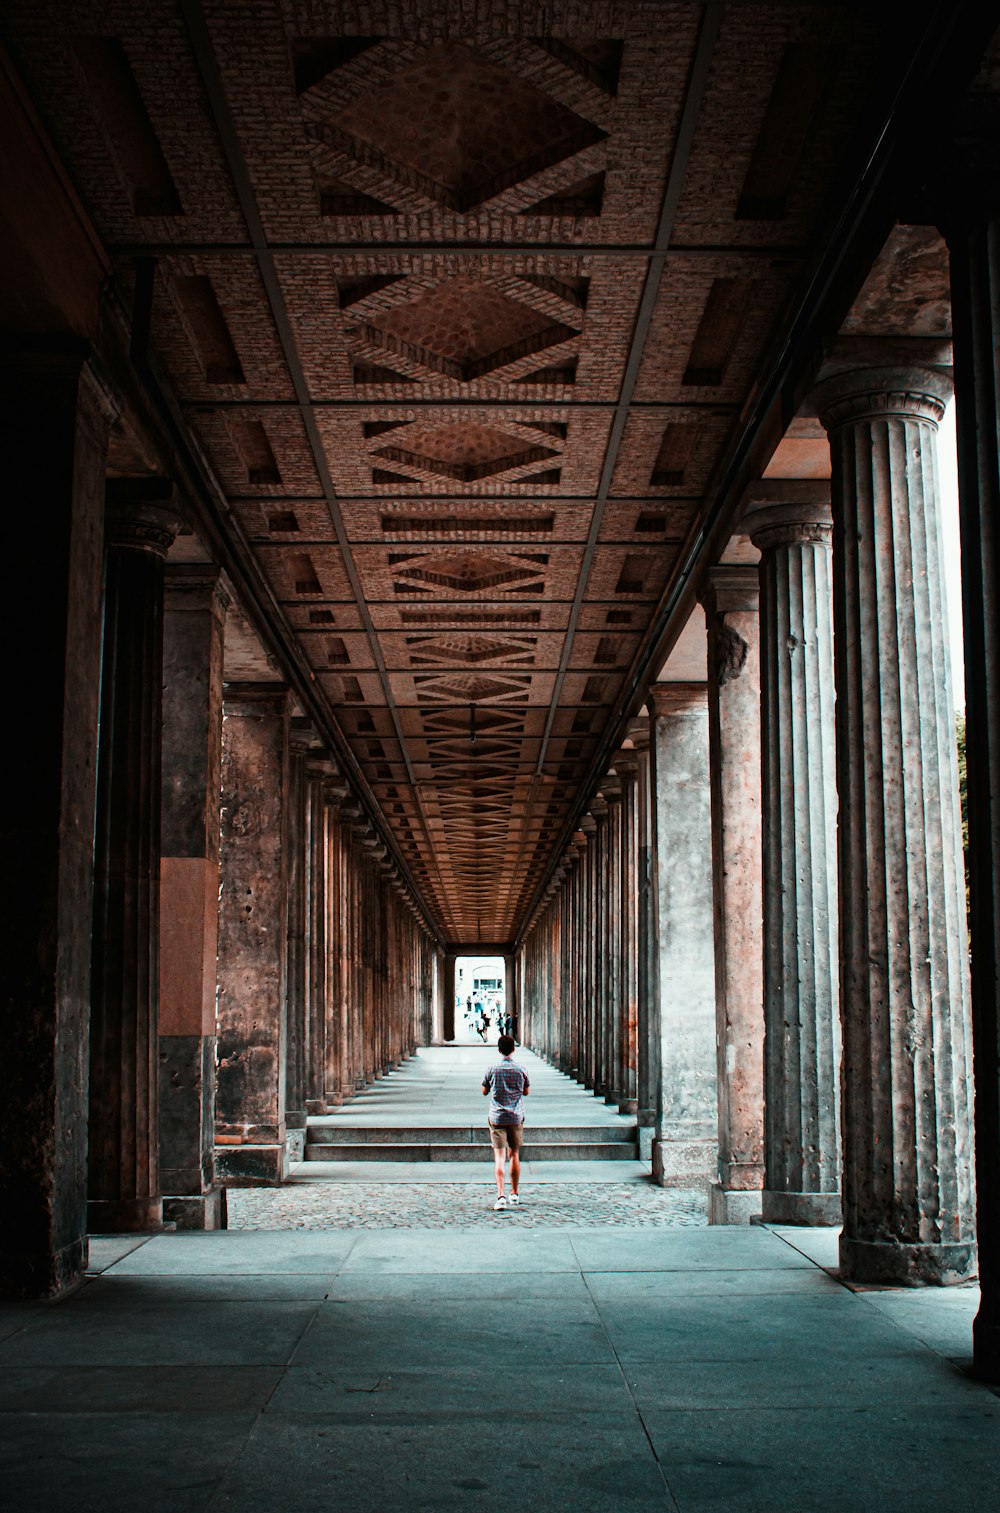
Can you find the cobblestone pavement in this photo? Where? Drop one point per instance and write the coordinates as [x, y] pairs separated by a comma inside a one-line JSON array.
[[458, 1205]]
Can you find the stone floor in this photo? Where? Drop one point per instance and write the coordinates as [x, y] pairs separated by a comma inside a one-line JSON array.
[[551, 1199], [441, 1086], [395, 1346], [585, 1371]]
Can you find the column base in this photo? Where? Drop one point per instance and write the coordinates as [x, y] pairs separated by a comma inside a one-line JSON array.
[[628, 1106], [251, 1165], [985, 1349], [124, 1216], [682, 1163], [814, 1209], [645, 1142], [44, 1276], [295, 1144], [728, 1205], [898, 1265], [295, 1118], [205, 1211]]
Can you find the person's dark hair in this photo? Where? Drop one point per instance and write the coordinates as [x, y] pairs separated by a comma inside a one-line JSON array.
[[505, 1045]]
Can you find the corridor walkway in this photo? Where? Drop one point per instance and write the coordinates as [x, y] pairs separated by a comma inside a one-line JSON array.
[[440, 1090], [579, 1371]]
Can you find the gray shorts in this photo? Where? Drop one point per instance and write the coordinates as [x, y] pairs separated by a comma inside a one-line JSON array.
[[506, 1137]]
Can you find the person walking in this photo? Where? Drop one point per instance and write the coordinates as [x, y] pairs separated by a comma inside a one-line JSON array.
[[506, 1084]]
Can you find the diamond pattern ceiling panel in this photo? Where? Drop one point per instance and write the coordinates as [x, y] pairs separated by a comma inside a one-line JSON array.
[[401, 256]]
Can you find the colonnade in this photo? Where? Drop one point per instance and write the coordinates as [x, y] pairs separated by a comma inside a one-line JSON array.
[[804, 1022], [207, 939]]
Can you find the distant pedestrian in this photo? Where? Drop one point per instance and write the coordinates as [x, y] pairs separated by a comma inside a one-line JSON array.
[[506, 1083]]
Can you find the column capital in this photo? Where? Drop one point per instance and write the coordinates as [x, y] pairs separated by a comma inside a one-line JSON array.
[[588, 827], [788, 512], [637, 731], [598, 807], [142, 514], [729, 588], [257, 699], [625, 764], [611, 788], [869, 379], [301, 736], [198, 586], [675, 698]]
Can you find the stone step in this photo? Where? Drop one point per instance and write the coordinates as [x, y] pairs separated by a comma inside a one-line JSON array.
[[326, 1131], [534, 1150]]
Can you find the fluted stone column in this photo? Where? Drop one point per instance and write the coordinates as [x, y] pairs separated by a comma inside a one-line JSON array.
[[449, 996], [647, 1006], [908, 1179], [194, 628], [599, 934], [299, 844], [791, 523], [625, 767], [250, 1133], [684, 1136], [611, 792], [124, 1160], [54, 419], [972, 228], [329, 1026], [730, 598]]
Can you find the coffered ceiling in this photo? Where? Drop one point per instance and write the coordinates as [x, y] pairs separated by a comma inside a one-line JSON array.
[[462, 304]]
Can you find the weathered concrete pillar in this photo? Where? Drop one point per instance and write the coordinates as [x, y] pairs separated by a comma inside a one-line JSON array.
[[611, 792], [908, 1181], [299, 843], [54, 420], [329, 1036], [588, 936], [625, 768], [511, 998], [647, 1006], [250, 1110], [449, 996], [193, 631], [791, 523], [599, 931], [973, 232], [731, 613], [684, 1135], [123, 1157]]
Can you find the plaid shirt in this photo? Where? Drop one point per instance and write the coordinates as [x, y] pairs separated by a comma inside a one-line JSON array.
[[508, 1083]]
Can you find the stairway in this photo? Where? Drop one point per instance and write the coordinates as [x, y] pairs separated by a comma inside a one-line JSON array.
[[334, 1140], [432, 1110]]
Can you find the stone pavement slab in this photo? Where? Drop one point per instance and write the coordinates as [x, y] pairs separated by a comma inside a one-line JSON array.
[[675, 1370]]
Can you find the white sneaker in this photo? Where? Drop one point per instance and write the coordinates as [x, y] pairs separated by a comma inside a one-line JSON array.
[[500, 1203], [514, 1200]]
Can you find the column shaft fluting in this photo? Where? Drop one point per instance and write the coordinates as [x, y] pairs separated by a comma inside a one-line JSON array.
[[907, 1179], [974, 243], [54, 421], [194, 632], [250, 1107], [799, 831], [731, 612], [124, 1149], [683, 1147]]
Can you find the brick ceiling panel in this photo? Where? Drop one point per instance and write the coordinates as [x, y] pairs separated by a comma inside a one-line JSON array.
[[462, 305], [765, 154], [284, 518], [652, 520], [669, 454]]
